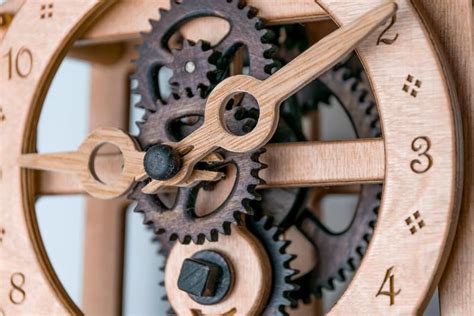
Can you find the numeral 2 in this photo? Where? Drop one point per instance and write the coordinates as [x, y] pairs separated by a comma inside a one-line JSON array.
[[385, 40]]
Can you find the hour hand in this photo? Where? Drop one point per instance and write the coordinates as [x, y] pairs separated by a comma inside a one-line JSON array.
[[80, 164]]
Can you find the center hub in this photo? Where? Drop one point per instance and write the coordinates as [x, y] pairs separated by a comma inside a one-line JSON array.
[[162, 162]]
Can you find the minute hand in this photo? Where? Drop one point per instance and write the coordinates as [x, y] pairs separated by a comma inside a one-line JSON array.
[[269, 94], [323, 55]]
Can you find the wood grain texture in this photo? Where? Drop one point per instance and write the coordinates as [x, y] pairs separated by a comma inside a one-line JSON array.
[[289, 165], [452, 23], [105, 220], [22, 250], [323, 163], [126, 19], [413, 259], [78, 163]]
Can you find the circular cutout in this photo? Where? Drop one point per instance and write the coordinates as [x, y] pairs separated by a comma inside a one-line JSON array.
[[106, 163], [210, 199], [241, 108]]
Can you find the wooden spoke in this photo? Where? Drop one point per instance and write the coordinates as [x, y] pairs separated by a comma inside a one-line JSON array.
[[289, 165], [55, 183], [324, 163]]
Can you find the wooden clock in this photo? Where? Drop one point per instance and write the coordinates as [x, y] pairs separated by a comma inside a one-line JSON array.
[[226, 167]]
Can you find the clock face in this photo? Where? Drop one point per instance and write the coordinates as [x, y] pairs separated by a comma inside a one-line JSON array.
[[227, 167]]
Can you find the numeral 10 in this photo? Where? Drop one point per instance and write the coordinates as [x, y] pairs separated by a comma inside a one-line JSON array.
[[20, 63]]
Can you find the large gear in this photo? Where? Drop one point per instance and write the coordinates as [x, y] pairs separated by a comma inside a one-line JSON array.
[[156, 53], [275, 246], [340, 253], [182, 115], [181, 222]]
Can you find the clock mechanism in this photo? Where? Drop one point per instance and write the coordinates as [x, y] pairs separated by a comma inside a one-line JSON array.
[[229, 166]]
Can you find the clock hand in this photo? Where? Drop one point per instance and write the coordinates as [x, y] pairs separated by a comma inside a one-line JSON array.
[[80, 164], [212, 134], [269, 94]]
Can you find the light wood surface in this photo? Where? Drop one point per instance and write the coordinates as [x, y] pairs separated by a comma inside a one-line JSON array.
[[252, 275], [452, 23], [421, 150], [289, 165], [105, 220], [127, 18], [323, 163], [409, 259], [78, 163], [21, 96]]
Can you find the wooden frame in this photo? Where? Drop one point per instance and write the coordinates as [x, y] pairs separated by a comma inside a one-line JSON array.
[[398, 144]]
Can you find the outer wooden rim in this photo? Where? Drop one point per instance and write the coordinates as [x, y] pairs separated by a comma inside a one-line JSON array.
[[394, 250], [22, 97], [416, 279]]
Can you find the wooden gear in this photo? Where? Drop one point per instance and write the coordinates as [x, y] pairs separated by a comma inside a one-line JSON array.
[[422, 158]]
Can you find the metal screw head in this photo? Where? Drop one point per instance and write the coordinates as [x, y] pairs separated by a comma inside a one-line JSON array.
[[162, 162], [190, 67], [207, 277]]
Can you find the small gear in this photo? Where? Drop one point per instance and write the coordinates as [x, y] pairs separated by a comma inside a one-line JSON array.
[[192, 66], [245, 30], [282, 287]]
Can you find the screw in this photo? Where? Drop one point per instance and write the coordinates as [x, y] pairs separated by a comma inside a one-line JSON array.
[[162, 162], [206, 277], [190, 67]]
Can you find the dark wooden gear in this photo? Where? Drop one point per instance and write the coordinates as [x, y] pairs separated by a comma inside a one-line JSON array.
[[282, 287], [192, 67], [181, 222], [184, 113], [245, 29], [340, 253], [181, 116]]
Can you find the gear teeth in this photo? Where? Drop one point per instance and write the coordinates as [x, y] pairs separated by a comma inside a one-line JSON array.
[[148, 52], [201, 55], [251, 12], [162, 12], [153, 23], [270, 51], [351, 83], [282, 287]]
